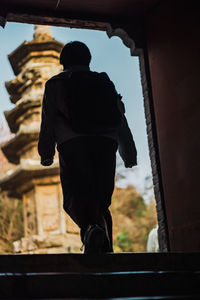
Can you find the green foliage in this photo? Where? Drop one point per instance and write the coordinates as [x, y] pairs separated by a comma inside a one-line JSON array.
[[123, 241], [133, 219], [11, 222]]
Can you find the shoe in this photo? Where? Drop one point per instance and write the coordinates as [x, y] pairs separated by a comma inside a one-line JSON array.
[[94, 239], [107, 248]]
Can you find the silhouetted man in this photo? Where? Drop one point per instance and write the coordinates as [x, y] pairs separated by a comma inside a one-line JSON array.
[[83, 115]]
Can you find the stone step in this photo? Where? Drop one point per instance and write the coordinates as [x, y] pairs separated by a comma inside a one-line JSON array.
[[92, 285], [100, 276], [99, 263], [179, 297]]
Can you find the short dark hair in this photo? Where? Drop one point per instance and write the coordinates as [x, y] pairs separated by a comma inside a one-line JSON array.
[[75, 53]]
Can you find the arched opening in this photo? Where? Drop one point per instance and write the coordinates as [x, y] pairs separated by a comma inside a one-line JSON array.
[[148, 110]]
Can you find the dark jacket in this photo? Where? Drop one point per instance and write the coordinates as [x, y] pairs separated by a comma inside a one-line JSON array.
[[55, 130]]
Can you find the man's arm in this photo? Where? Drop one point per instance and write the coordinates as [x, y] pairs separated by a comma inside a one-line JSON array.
[[127, 148], [46, 143]]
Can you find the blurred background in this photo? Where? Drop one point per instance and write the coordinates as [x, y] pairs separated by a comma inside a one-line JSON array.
[[25, 222]]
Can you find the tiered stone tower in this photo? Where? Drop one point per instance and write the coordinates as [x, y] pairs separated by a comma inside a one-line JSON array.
[[46, 226]]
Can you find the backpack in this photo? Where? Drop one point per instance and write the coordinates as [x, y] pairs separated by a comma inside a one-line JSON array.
[[92, 103]]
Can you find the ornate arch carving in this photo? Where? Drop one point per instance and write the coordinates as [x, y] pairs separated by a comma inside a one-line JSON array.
[[137, 48], [123, 35]]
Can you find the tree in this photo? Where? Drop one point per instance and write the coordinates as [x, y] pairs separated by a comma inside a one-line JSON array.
[[133, 219], [11, 222]]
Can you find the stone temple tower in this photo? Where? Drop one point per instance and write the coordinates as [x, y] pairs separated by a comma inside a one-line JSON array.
[[46, 227]]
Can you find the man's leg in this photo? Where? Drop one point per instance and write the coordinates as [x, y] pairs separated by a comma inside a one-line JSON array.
[[77, 180], [105, 174], [87, 176], [109, 225]]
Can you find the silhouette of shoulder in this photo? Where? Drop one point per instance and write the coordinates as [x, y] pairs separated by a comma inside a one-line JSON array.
[[55, 79], [58, 76], [63, 75]]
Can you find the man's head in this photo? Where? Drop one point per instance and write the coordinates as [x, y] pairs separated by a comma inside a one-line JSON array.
[[75, 53]]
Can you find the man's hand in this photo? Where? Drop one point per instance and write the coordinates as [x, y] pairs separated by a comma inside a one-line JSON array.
[[47, 161], [130, 164]]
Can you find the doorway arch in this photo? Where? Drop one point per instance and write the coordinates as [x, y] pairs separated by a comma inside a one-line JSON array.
[[137, 48]]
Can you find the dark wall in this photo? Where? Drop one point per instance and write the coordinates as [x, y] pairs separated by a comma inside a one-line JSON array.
[[173, 34]]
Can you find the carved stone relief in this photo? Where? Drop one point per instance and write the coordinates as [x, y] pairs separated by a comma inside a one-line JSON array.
[[48, 208], [30, 219]]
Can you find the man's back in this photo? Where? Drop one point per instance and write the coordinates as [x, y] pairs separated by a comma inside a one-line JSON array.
[[57, 106], [87, 159]]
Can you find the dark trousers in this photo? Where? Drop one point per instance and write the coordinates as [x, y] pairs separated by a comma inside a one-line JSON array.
[[87, 172]]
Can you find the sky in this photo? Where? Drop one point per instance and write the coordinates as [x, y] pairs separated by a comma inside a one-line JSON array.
[[108, 55]]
